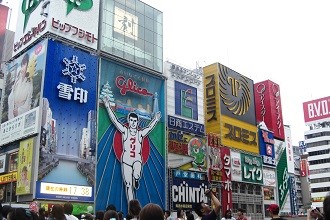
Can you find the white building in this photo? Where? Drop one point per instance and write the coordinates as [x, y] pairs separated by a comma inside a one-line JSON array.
[[317, 140]]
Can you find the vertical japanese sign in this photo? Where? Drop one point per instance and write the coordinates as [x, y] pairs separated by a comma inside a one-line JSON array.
[[67, 152], [293, 195], [3, 25], [282, 179], [226, 191], [25, 155], [252, 169], [60, 18], [21, 99], [131, 133], [266, 147], [303, 167]]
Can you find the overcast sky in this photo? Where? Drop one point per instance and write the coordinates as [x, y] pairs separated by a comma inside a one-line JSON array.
[[287, 42]]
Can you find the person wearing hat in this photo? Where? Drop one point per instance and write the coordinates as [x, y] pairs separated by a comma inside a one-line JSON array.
[[273, 210]]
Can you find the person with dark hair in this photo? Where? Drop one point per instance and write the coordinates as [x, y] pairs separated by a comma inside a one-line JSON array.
[[68, 209], [57, 212], [274, 210], [42, 214], [20, 97], [134, 208], [111, 207], [240, 214], [111, 214], [190, 216], [21, 214], [151, 211], [131, 158], [228, 216], [326, 207], [99, 215], [204, 211], [180, 214], [5, 210], [120, 215], [167, 214]]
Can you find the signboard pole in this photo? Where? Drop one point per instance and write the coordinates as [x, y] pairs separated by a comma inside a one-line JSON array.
[[11, 189]]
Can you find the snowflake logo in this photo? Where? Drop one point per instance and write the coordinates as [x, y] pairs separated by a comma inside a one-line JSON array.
[[74, 69]]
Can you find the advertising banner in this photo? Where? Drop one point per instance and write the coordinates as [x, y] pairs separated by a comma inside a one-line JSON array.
[[7, 178], [23, 79], [268, 107], [266, 147], [252, 169], [211, 99], [184, 92], [187, 189], [282, 179], [269, 177], [3, 26], [227, 177], [316, 110], [185, 125], [303, 168], [67, 152], [238, 134], [293, 196], [25, 158], [289, 149], [131, 133], [60, 17], [3, 163], [236, 166], [180, 143]]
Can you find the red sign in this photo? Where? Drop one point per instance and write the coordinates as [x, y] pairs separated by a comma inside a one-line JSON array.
[[3, 24], [317, 109], [268, 105], [303, 168], [226, 190]]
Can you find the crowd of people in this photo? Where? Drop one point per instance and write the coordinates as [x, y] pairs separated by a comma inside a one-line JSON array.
[[150, 211]]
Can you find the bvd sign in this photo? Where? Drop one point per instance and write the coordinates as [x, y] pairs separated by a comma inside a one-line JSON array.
[[317, 110]]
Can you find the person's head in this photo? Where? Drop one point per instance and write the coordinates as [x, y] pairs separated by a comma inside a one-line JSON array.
[[24, 64], [68, 208], [273, 209], [42, 211], [179, 213], [134, 207], [151, 211], [5, 210], [240, 212], [111, 207], [202, 209], [24, 173], [58, 212], [110, 214], [326, 207], [228, 214], [99, 215], [190, 216], [120, 215], [133, 120], [167, 214], [21, 214]]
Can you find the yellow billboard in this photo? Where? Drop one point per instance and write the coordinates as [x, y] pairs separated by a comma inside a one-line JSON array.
[[211, 99], [238, 134], [25, 155]]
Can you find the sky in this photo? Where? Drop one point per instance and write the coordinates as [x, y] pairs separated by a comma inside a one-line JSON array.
[[287, 42]]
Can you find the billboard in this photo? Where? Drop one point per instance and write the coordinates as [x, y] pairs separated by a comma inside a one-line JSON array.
[[3, 26], [66, 153], [131, 133], [303, 168], [184, 92], [266, 147], [133, 31], [226, 177], [289, 149], [24, 169], [22, 94], [60, 18], [268, 107], [252, 169], [282, 179], [187, 189], [238, 134], [316, 110]]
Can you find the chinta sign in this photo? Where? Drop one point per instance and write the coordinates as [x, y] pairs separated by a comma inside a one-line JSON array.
[[187, 191], [37, 17]]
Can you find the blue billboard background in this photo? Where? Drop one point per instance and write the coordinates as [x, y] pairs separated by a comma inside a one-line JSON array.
[[68, 116]]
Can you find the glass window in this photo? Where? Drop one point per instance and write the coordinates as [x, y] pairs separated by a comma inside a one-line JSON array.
[[140, 19], [140, 7], [250, 208], [148, 47], [158, 40], [250, 189], [149, 24], [149, 11], [243, 188], [13, 161], [258, 190], [130, 4], [149, 35], [258, 209], [158, 65], [158, 27], [235, 187]]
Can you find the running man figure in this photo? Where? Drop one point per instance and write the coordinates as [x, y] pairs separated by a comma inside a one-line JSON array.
[[132, 137]]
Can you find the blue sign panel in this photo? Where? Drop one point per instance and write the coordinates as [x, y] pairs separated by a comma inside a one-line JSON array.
[[293, 196], [266, 147], [186, 101]]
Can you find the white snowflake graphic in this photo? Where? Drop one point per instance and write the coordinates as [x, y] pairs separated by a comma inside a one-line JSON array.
[[74, 69]]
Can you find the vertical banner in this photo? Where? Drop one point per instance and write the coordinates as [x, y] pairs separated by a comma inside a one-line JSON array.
[[293, 196], [226, 191], [22, 91], [25, 155], [3, 24], [67, 149], [131, 133], [282, 179], [303, 167], [266, 147]]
